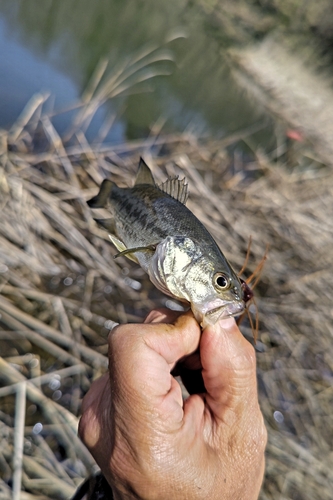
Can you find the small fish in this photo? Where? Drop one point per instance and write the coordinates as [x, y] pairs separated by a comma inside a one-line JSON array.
[[151, 225]]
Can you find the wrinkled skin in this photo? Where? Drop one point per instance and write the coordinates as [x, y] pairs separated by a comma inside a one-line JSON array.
[[152, 445]]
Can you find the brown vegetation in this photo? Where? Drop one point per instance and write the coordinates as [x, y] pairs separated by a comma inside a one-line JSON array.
[[61, 291]]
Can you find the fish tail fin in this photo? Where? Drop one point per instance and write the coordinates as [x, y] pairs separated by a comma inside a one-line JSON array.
[[100, 200], [144, 175]]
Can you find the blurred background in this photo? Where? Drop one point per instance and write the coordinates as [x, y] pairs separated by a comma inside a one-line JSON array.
[[56, 46], [237, 96]]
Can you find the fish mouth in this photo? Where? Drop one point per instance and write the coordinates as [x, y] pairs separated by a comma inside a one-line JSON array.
[[232, 309], [211, 313]]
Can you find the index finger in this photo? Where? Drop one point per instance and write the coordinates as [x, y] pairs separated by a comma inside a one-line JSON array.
[[141, 359]]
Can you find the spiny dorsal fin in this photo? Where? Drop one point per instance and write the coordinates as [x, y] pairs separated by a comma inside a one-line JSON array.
[[144, 175], [175, 188], [100, 200]]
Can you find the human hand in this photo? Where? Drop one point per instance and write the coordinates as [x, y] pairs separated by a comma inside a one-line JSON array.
[[149, 443]]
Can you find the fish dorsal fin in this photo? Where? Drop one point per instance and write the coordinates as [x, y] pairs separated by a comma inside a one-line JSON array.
[[144, 175], [100, 200], [175, 188]]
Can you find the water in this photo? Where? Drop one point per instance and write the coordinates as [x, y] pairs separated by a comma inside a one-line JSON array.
[[55, 46]]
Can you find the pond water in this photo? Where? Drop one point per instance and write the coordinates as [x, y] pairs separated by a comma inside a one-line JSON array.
[[55, 46]]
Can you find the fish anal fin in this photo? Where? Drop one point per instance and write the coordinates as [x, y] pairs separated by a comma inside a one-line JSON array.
[[128, 252], [100, 200], [176, 188], [144, 175]]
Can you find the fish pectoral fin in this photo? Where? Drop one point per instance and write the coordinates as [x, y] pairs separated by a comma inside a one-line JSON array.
[[130, 251], [100, 200], [120, 246], [144, 175], [176, 188]]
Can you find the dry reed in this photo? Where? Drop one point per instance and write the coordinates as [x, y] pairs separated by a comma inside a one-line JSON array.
[[61, 292]]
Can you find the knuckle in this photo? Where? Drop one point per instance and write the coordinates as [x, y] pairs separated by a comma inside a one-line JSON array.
[[263, 433], [250, 355], [119, 339], [86, 429], [258, 436], [246, 360], [116, 334]]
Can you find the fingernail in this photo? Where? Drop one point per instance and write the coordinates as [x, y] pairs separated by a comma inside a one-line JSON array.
[[227, 323]]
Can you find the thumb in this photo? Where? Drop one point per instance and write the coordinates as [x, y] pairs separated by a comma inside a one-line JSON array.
[[229, 369]]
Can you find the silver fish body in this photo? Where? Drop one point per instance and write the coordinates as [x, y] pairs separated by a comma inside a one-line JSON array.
[[154, 227]]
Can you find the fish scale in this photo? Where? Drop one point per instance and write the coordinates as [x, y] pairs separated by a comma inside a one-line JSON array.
[[149, 215], [154, 227]]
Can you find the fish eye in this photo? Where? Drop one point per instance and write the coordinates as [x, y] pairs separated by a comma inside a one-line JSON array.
[[221, 282]]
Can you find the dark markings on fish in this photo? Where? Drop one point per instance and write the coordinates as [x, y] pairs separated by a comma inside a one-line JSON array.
[[154, 227]]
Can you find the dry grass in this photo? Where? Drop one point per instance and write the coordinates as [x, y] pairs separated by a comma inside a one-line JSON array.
[[61, 291], [291, 87]]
